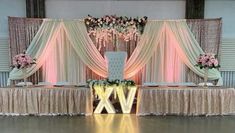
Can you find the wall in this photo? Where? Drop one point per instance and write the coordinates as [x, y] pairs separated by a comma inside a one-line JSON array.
[[158, 9], [10, 8], [7, 8], [169, 9], [226, 10]]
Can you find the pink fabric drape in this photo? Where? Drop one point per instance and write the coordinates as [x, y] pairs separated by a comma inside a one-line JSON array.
[[124, 47]]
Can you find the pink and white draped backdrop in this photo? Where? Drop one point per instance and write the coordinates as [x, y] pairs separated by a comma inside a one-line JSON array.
[[166, 64]]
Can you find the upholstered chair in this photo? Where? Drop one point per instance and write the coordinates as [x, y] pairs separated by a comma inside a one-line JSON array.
[[116, 62]]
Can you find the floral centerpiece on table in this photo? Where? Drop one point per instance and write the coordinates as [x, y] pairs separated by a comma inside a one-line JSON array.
[[22, 61], [106, 83], [207, 61], [114, 27]]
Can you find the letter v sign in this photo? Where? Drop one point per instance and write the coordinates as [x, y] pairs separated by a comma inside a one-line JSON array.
[[126, 104]]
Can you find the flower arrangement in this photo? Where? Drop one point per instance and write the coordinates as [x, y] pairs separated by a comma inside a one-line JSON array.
[[207, 60], [107, 82], [108, 27], [22, 61]]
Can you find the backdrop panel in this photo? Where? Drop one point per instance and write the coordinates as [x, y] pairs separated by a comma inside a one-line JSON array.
[[129, 48]]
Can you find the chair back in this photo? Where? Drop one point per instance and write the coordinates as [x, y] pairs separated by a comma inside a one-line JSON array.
[[116, 62]]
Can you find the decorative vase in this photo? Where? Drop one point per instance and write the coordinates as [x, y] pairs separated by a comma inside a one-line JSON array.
[[206, 77], [25, 82], [25, 78]]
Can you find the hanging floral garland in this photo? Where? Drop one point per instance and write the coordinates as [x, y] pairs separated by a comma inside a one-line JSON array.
[[109, 27]]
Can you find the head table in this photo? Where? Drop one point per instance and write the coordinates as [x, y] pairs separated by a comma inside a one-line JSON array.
[[71, 100], [46, 100], [185, 101]]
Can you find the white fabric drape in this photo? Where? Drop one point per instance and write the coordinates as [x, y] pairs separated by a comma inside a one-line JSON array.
[[39, 48], [53, 51], [62, 53], [188, 48], [84, 47], [176, 46], [164, 65], [175, 34], [147, 45]]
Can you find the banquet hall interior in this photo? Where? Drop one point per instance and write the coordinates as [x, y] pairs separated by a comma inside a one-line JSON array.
[[117, 66]]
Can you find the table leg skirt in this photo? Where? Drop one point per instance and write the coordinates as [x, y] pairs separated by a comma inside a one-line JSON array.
[[186, 101], [41, 101]]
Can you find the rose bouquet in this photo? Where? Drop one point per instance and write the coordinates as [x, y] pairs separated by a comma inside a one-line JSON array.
[[22, 61], [208, 61]]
